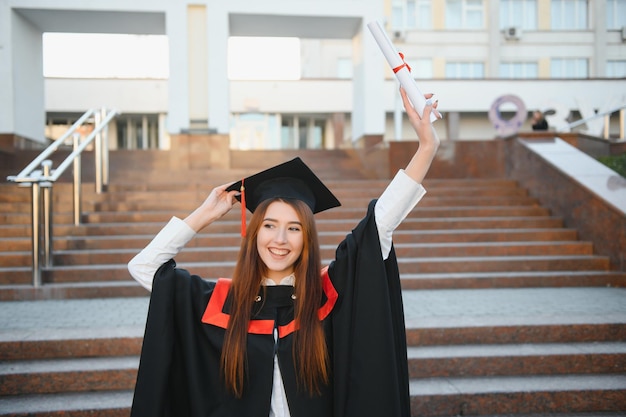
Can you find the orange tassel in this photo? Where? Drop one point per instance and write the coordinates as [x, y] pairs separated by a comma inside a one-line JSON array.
[[243, 209]]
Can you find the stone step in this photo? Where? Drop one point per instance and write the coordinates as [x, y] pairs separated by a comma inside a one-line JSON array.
[[458, 340], [138, 241], [512, 395], [119, 372], [334, 184], [516, 359], [110, 272], [50, 346], [143, 214], [342, 225], [25, 217], [361, 201], [20, 213], [412, 224], [59, 207], [502, 264], [186, 203], [92, 404], [72, 290], [345, 190], [525, 279], [481, 280], [424, 362], [346, 213], [68, 375], [430, 339], [115, 272], [499, 333], [230, 253], [60, 195], [579, 396]]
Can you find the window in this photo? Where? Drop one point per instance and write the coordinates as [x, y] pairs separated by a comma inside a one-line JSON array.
[[421, 67], [569, 14], [464, 14], [411, 14], [254, 131], [137, 132], [263, 58], [302, 132], [569, 68], [519, 70], [615, 14], [465, 70], [276, 131], [105, 55], [344, 68], [616, 69], [520, 13]]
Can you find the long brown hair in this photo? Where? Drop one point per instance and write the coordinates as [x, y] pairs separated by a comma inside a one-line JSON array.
[[309, 346]]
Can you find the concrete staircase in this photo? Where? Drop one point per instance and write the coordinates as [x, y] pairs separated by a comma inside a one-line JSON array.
[[471, 253]]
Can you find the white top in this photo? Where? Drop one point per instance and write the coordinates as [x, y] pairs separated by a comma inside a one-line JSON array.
[[395, 203]]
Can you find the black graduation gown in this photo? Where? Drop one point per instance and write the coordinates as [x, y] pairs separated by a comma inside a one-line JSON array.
[[179, 371]]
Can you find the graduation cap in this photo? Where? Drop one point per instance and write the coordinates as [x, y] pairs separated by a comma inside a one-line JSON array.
[[289, 180]]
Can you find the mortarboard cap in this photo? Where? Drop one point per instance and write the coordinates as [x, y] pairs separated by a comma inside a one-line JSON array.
[[290, 180]]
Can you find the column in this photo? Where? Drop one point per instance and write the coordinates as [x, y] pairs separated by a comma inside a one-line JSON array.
[[597, 68], [198, 67], [178, 101], [368, 114], [218, 83], [22, 107]]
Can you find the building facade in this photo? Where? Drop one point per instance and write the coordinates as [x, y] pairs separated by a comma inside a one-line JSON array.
[[486, 60]]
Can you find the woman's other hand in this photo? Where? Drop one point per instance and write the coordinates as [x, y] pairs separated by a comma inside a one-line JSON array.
[[217, 204]]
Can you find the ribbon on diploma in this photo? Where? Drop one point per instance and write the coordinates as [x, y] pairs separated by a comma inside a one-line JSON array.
[[400, 68], [404, 64]]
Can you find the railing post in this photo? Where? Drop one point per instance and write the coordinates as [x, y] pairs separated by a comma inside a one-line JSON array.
[[622, 112], [105, 151], [35, 207], [98, 154], [41, 185], [77, 182], [47, 214], [607, 125]]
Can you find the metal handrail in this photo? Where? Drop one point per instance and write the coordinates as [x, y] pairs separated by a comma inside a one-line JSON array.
[[607, 118], [40, 176]]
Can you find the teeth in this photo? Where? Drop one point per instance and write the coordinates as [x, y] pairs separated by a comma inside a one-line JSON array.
[[279, 251]]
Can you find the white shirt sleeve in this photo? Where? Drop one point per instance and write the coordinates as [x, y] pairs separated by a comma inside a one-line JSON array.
[[395, 203], [165, 245]]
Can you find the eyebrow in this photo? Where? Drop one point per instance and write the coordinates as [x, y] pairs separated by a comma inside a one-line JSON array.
[[269, 219]]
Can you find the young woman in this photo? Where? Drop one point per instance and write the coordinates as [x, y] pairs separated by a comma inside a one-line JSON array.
[[285, 337]]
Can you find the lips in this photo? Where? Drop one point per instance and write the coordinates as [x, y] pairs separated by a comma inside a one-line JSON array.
[[278, 252]]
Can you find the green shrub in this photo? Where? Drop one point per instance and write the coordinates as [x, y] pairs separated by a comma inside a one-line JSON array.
[[616, 162]]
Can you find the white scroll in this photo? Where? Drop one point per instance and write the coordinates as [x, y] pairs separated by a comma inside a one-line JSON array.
[[403, 75]]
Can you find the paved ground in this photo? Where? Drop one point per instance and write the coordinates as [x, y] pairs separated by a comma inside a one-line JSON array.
[[35, 320]]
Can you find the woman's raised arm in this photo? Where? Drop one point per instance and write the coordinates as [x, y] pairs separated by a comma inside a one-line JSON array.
[[428, 140], [406, 189]]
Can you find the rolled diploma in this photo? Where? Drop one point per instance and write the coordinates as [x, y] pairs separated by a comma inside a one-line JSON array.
[[403, 75]]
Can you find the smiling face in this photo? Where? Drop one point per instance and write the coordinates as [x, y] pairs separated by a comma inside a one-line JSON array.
[[280, 240]]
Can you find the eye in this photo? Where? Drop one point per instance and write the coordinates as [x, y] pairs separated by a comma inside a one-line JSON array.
[[268, 225], [295, 228]]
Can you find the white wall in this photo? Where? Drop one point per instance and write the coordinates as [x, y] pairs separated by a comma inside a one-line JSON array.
[[126, 95], [6, 70], [472, 99], [27, 79]]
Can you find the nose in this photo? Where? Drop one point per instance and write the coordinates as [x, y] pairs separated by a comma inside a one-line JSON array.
[[281, 235]]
